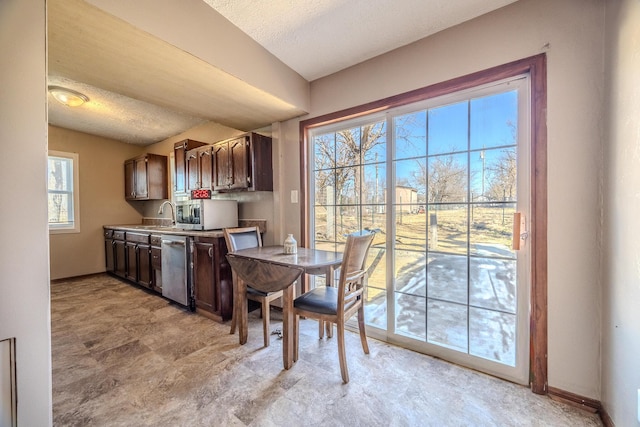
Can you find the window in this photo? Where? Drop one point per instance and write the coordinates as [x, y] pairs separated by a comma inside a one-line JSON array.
[[62, 192]]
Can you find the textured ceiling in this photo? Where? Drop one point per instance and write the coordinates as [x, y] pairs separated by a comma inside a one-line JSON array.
[[144, 90], [319, 37]]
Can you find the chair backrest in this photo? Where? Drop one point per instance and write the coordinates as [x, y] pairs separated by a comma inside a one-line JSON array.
[[263, 275], [242, 238], [353, 274]]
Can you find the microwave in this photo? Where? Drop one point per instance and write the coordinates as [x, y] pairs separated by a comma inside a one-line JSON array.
[[206, 214]]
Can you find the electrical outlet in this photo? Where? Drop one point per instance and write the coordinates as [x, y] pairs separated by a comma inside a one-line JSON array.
[[294, 196]]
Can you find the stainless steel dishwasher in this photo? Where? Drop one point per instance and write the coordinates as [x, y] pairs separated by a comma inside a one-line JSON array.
[[175, 277]]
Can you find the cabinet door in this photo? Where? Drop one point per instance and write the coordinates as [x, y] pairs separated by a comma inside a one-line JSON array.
[[224, 283], [141, 183], [206, 168], [193, 171], [180, 159], [143, 259], [239, 164], [109, 257], [120, 261], [204, 276], [131, 261], [221, 177], [156, 269], [129, 179]]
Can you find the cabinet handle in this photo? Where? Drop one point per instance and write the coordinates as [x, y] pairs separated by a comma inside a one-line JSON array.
[[211, 252]]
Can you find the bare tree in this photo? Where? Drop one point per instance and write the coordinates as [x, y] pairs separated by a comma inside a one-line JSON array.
[[503, 171], [58, 182], [502, 176], [338, 154], [445, 179]]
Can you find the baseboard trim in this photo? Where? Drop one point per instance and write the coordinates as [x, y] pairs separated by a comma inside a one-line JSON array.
[[581, 402], [576, 400], [606, 419], [80, 277]]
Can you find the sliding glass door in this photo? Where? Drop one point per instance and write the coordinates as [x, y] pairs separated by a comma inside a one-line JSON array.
[[440, 183]]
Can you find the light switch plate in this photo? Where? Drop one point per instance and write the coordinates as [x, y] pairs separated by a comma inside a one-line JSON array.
[[294, 196]]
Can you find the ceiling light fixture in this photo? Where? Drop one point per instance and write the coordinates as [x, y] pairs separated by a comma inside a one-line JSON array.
[[68, 97]]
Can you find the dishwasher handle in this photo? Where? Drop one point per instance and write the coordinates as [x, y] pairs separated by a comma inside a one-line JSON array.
[[174, 242]]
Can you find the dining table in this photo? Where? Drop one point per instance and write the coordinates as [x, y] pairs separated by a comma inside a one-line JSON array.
[[309, 261]]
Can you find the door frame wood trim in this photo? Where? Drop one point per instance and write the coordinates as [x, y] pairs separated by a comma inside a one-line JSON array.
[[536, 68]]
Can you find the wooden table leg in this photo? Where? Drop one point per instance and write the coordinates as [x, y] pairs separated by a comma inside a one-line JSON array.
[[329, 280], [240, 303], [287, 327]]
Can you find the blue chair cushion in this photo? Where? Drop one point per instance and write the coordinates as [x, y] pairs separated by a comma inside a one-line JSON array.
[[319, 300]]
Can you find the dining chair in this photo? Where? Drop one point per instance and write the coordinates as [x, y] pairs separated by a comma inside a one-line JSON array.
[[244, 238], [338, 304], [266, 277]]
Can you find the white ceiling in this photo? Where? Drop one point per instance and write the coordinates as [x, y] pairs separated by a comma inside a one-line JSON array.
[[144, 90], [319, 37]]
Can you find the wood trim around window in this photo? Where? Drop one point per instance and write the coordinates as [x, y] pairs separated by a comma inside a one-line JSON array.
[[536, 67]]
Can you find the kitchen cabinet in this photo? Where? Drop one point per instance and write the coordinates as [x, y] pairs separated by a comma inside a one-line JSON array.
[[180, 150], [156, 263], [243, 163], [119, 254], [212, 285], [145, 177], [109, 258], [138, 255], [200, 168], [129, 256]]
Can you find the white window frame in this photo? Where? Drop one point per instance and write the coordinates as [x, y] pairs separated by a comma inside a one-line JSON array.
[[73, 226]]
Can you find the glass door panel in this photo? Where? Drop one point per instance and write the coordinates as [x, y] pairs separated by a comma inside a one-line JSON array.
[[439, 183]]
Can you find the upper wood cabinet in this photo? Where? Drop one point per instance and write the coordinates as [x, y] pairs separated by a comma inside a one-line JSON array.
[[199, 168], [180, 150], [243, 163], [145, 177]]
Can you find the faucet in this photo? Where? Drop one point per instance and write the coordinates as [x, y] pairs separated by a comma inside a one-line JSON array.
[[173, 211]]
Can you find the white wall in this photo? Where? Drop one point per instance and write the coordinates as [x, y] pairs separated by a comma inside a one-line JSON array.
[[101, 188], [24, 258], [571, 33], [621, 211]]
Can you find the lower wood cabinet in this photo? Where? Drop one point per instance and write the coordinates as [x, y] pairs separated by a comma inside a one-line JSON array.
[[137, 258], [156, 263], [109, 256], [119, 254], [129, 256], [212, 285], [138, 255]]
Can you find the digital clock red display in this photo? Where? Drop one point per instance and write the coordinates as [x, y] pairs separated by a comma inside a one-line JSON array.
[[200, 194]]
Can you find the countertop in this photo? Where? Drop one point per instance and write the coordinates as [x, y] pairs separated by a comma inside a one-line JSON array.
[[161, 229]]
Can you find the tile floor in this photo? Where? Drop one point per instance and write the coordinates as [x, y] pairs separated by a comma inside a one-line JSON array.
[[125, 357]]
